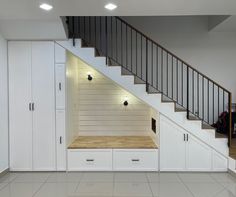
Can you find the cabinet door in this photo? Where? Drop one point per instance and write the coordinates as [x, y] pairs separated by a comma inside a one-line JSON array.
[[198, 155], [60, 86], [60, 140], [172, 146], [43, 93], [20, 117]]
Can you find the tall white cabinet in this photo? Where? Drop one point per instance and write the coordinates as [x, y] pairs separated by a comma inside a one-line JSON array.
[[32, 106]]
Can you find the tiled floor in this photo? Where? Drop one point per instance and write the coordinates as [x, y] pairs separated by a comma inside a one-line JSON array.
[[117, 184]]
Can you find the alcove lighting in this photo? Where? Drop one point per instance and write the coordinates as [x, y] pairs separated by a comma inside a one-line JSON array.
[[110, 6], [90, 76], [46, 6], [126, 101]]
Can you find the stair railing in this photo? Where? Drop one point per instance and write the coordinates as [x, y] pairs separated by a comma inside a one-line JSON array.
[[152, 64]]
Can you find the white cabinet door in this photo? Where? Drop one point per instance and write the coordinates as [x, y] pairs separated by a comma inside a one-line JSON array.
[[20, 117], [198, 155], [172, 146], [60, 140], [60, 86], [43, 93]]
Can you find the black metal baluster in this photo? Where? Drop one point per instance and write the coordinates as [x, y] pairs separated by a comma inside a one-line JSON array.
[[101, 34], [121, 31], [203, 99], [162, 72], [84, 27], [136, 54], [187, 92], [182, 77], [193, 92], [223, 100], [95, 30], [131, 56], [106, 41], [116, 42], [126, 39], [90, 30], [167, 74], [198, 95], [157, 59], [73, 30], [152, 63], [218, 101], [177, 80], [208, 115], [112, 38], [172, 76], [213, 105], [146, 65], [141, 56]]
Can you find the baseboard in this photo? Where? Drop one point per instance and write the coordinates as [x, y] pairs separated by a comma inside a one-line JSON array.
[[4, 172]]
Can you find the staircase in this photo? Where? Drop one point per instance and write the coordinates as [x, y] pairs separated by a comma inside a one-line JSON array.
[[163, 73]]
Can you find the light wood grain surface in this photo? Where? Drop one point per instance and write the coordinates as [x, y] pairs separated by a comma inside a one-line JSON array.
[[118, 142]]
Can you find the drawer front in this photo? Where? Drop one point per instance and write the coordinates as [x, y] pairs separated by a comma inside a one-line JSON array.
[[91, 160], [135, 160]]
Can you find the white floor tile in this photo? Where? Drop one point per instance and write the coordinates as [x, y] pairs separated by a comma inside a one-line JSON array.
[[95, 189], [20, 189], [58, 177], [204, 189], [132, 189], [223, 177], [8, 177], [163, 177], [196, 177], [98, 177], [57, 190], [170, 189], [225, 193], [28, 177], [130, 177]]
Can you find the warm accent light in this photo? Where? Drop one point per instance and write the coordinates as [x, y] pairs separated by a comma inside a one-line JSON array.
[[46, 6], [126, 101], [90, 76], [110, 6]]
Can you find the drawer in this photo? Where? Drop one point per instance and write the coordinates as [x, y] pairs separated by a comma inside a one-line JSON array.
[[89, 160], [135, 160]]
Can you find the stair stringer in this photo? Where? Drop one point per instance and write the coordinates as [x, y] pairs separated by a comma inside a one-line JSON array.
[[154, 100]]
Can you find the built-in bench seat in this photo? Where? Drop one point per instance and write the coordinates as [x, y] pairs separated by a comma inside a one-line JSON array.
[[113, 153]]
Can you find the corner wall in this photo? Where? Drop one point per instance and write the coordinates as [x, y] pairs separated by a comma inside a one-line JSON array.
[[3, 106]]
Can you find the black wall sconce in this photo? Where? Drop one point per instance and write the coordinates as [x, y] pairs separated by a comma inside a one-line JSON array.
[[126, 101], [90, 77]]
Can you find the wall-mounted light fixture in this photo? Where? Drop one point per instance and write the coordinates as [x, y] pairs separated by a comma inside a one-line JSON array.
[[90, 76], [126, 101]]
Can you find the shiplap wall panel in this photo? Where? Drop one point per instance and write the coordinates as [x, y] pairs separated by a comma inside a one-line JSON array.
[[100, 109]]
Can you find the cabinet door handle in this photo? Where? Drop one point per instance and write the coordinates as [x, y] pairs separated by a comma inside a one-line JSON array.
[[30, 107], [135, 160], [90, 160], [60, 86], [187, 137], [60, 140], [184, 136]]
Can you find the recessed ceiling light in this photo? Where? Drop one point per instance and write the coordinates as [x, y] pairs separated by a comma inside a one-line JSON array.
[[110, 6], [46, 6]]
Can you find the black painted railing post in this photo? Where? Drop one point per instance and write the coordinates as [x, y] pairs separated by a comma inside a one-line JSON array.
[[187, 92], [146, 65], [230, 118], [106, 41], [73, 30]]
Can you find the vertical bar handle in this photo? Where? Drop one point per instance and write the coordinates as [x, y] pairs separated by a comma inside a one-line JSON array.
[[60, 139], [184, 136], [59, 86], [30, 108]]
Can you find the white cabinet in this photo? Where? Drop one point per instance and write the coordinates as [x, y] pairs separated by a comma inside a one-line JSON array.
[[31, 105], [60, 86], [60, 140], [135, 160], [90, 159], [181, 151], [20, 116]]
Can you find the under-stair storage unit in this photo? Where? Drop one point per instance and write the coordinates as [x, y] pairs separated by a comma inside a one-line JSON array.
[[31, 106], [181, 151]]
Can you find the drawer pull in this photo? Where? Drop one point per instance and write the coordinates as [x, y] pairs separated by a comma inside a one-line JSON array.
[[135, 160], [90, 160]]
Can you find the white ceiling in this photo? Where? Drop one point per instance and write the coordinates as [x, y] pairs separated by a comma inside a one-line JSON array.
[[28, 9]]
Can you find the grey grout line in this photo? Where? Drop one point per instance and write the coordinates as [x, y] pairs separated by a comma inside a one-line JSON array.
[[149, 183], [185, 185]]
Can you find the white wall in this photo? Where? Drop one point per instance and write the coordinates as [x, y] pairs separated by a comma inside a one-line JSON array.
[[3, 106], [212, 53]]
